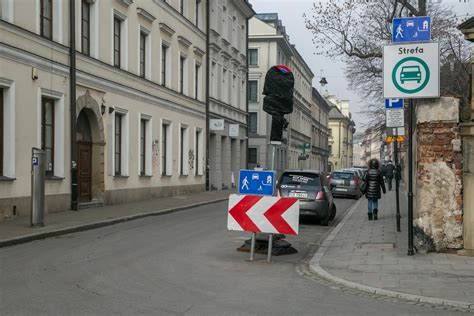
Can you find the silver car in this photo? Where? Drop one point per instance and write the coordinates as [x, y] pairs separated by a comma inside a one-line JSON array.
[[345, 183], [310, 187]]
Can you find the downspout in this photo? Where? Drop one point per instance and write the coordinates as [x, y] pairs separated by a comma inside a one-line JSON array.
[[208, 138], [246, 90], [72, 103]]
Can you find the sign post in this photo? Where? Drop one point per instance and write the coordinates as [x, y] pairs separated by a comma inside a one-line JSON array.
[[411, 70]]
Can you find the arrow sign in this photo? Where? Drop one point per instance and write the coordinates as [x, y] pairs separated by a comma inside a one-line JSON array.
[[263, 214]]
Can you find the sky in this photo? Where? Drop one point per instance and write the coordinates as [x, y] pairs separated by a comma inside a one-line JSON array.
[[291, 13]]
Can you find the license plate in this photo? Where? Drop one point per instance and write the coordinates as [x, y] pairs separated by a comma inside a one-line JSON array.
[[301, 195], [341, 189]]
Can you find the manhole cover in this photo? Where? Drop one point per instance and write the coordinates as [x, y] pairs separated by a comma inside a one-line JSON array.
[[377, 245]]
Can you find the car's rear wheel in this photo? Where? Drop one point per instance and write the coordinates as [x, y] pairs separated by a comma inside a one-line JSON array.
[[325, 220], [333, 213]]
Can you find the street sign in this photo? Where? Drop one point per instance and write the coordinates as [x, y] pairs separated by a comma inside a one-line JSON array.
[[234, 130], [394, 103], [216, 124], [393, 139], [411, 70], [263, 214], [34, 161], [256, 182], [411, 29], [395, 118], [395, 131]]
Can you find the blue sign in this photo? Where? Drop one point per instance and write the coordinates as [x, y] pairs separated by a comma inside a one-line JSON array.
[[412, 29], [256, 182], [34, 161], [394, 103]]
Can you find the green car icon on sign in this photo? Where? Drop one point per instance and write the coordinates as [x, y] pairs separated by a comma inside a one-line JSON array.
[[410, 73]]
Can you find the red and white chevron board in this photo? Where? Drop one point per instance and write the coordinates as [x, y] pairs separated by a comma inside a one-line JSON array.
[[263, 214]]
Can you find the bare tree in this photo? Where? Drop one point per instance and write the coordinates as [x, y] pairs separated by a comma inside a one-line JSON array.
[[355, 31]]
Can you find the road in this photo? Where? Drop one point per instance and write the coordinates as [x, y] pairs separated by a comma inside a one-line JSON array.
[[183, 263]]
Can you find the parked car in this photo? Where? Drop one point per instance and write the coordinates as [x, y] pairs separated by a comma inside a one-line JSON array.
[[345, 183], [311, 188]]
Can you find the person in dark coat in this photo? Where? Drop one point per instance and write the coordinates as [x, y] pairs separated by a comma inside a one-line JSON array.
[[374, 185], [389, 171]]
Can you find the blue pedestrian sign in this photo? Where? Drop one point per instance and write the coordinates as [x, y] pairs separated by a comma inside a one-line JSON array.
[[394, 103], [412, 29], [34, 161], [256, 182]]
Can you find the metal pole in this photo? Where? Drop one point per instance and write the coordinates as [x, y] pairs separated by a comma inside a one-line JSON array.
[[270, 236], [397, 182], [72, 104], [270, 244], [411, 252], [252, 247]]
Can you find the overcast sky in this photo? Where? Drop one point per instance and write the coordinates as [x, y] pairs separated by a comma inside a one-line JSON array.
[[291, 12]]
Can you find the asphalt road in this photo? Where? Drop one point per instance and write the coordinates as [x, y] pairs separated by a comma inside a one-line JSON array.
[[183, 263]]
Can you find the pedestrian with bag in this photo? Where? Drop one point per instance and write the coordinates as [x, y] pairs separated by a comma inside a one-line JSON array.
[[373, 186]]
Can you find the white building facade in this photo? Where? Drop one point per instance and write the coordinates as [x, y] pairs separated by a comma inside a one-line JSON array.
[[140, 100], [227, 91]]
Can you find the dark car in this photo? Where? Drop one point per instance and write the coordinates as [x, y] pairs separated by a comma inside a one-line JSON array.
[[345, 183], [310, 187]]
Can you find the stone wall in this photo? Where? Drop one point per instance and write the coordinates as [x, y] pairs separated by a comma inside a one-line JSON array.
[[439, 201]]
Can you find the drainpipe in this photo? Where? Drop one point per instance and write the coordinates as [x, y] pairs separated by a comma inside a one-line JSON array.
[[72, 102], [208, 138], [246, 91]]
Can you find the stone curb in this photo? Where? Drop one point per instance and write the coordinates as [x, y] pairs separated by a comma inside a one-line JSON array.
[[98, 224], [315, 267]]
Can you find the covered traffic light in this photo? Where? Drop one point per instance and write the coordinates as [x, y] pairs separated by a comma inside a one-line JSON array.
[[278, 100]]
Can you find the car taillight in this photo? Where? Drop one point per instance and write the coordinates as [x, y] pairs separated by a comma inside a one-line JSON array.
[[320, 195]]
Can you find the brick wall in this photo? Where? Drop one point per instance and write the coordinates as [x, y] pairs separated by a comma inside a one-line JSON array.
[[439, 201]]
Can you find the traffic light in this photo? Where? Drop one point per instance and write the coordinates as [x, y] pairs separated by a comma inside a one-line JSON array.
[[278, 100]]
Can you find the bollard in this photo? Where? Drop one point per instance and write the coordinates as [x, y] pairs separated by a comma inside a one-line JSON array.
[[37, 187]]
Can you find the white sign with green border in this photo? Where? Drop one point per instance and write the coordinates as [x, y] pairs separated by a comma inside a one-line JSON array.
[[411, 70]]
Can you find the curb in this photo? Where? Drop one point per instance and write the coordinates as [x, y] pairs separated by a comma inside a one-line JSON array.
[[89, 226], [315, 267]]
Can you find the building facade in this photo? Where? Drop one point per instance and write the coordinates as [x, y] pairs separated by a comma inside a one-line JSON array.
[[319, 132], [228, 90], [140, 100], [341, 135]]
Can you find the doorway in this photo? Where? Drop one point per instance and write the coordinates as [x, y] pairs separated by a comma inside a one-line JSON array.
[[84, 147]]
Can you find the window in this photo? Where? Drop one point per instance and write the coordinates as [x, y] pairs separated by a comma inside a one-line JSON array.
[[253, 87], [181, 6], [85, 27], [118, 143], [164, 57], [225, 89], [142, 54], [253, 122], [166, 149], [197, 70], [253, 57], [182, 150], [46, 18], [197, 155], [1, 132], [143, 150], [117, 41], [198, 10], [47, 133], [182, 64], [252, 155]]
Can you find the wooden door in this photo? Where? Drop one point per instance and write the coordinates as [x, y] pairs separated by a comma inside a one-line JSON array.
[[85, 171]]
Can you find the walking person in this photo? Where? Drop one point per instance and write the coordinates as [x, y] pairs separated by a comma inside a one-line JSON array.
[[374, 185], [388, 173]]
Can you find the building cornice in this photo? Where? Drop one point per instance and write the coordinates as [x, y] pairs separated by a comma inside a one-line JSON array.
[[280, 39], [184, 41], [166, 29], [199, 52], [245, 8], [146, 15]]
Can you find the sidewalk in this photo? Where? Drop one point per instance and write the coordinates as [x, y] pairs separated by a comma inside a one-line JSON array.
[[372, 257], [18, 230]]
